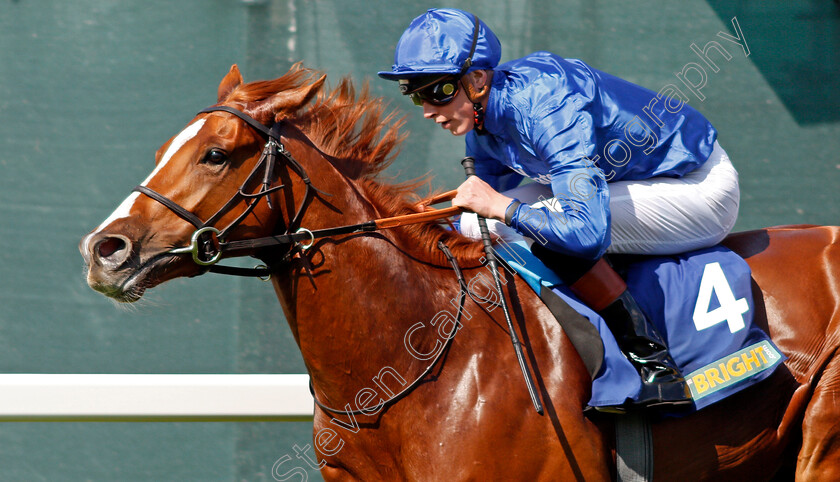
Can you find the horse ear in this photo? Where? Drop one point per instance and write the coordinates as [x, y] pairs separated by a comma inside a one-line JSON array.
[[291, 100], [232, 80]]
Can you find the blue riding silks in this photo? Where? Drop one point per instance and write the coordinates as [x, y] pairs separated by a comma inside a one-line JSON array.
[[563, 123]]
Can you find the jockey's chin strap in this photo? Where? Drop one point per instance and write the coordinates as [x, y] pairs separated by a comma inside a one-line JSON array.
[[478, 109], [208, 243]]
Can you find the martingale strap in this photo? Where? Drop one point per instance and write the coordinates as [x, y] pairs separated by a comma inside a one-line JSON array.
[[464, 289]]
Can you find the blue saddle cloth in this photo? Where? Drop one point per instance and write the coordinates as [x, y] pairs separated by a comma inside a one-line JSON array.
[[700, 301]]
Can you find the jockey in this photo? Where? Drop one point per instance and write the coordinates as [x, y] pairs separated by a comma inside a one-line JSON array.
[[617, 168]]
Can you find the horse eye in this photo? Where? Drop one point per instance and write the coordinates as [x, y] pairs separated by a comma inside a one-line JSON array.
[[216, 157]]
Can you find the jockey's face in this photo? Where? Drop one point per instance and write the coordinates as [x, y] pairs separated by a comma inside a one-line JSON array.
[[457, 115]]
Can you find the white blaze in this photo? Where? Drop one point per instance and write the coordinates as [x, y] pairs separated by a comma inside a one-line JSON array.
[[124, 208]]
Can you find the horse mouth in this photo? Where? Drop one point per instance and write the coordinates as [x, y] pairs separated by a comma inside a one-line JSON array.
[[148, 274]]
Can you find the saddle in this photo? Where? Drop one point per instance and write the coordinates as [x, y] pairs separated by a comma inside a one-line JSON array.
[[700, 301]]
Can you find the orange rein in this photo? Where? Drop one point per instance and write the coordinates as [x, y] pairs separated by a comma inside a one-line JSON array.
[[430, 214], [302, 235]]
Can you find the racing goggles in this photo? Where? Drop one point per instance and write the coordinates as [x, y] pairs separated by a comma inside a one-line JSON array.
[[438, 91]]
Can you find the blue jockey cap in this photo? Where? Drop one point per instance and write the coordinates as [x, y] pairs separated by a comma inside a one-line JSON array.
[[444, 41]]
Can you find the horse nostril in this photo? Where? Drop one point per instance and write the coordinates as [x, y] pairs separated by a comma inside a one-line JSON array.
[[109, 246]]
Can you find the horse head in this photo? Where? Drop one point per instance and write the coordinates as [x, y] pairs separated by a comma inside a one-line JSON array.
[[205, 186]]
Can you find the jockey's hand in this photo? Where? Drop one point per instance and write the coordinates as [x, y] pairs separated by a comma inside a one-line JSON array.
[[477, 196]]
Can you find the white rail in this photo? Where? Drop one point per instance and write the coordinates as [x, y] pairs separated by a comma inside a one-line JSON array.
[[106, 397]]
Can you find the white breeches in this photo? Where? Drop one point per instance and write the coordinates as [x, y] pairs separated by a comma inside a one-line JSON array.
[[661, 215]]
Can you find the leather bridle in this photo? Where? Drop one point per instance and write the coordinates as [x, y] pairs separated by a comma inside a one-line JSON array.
[[208, 243]]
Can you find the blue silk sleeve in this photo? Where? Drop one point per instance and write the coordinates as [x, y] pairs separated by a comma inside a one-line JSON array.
[[497, 175], [576, 221]]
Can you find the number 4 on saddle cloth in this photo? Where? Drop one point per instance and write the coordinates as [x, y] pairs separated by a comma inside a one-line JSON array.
[[700, 301]]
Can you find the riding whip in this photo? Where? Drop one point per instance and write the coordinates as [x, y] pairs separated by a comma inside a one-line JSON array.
[[469, 169]]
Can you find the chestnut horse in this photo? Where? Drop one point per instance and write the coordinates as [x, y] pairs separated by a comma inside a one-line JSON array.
[[366, 308]]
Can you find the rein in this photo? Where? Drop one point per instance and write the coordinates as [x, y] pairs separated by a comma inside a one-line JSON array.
[[208, 243]]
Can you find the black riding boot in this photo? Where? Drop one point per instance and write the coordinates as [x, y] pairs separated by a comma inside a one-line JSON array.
[[642, 344], [603, 290]]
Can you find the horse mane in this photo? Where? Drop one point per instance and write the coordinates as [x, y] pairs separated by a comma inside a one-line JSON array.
[[361, 140]]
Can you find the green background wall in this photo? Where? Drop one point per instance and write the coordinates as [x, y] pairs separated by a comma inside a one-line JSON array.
[[89, 89]]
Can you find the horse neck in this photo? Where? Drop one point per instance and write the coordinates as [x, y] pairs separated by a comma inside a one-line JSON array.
[[351, 308]]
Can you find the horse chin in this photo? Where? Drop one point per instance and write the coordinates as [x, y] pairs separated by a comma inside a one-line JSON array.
[[147, 274], [120, 294]]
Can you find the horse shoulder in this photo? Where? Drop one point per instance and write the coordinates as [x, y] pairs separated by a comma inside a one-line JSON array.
[[577, 446]]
